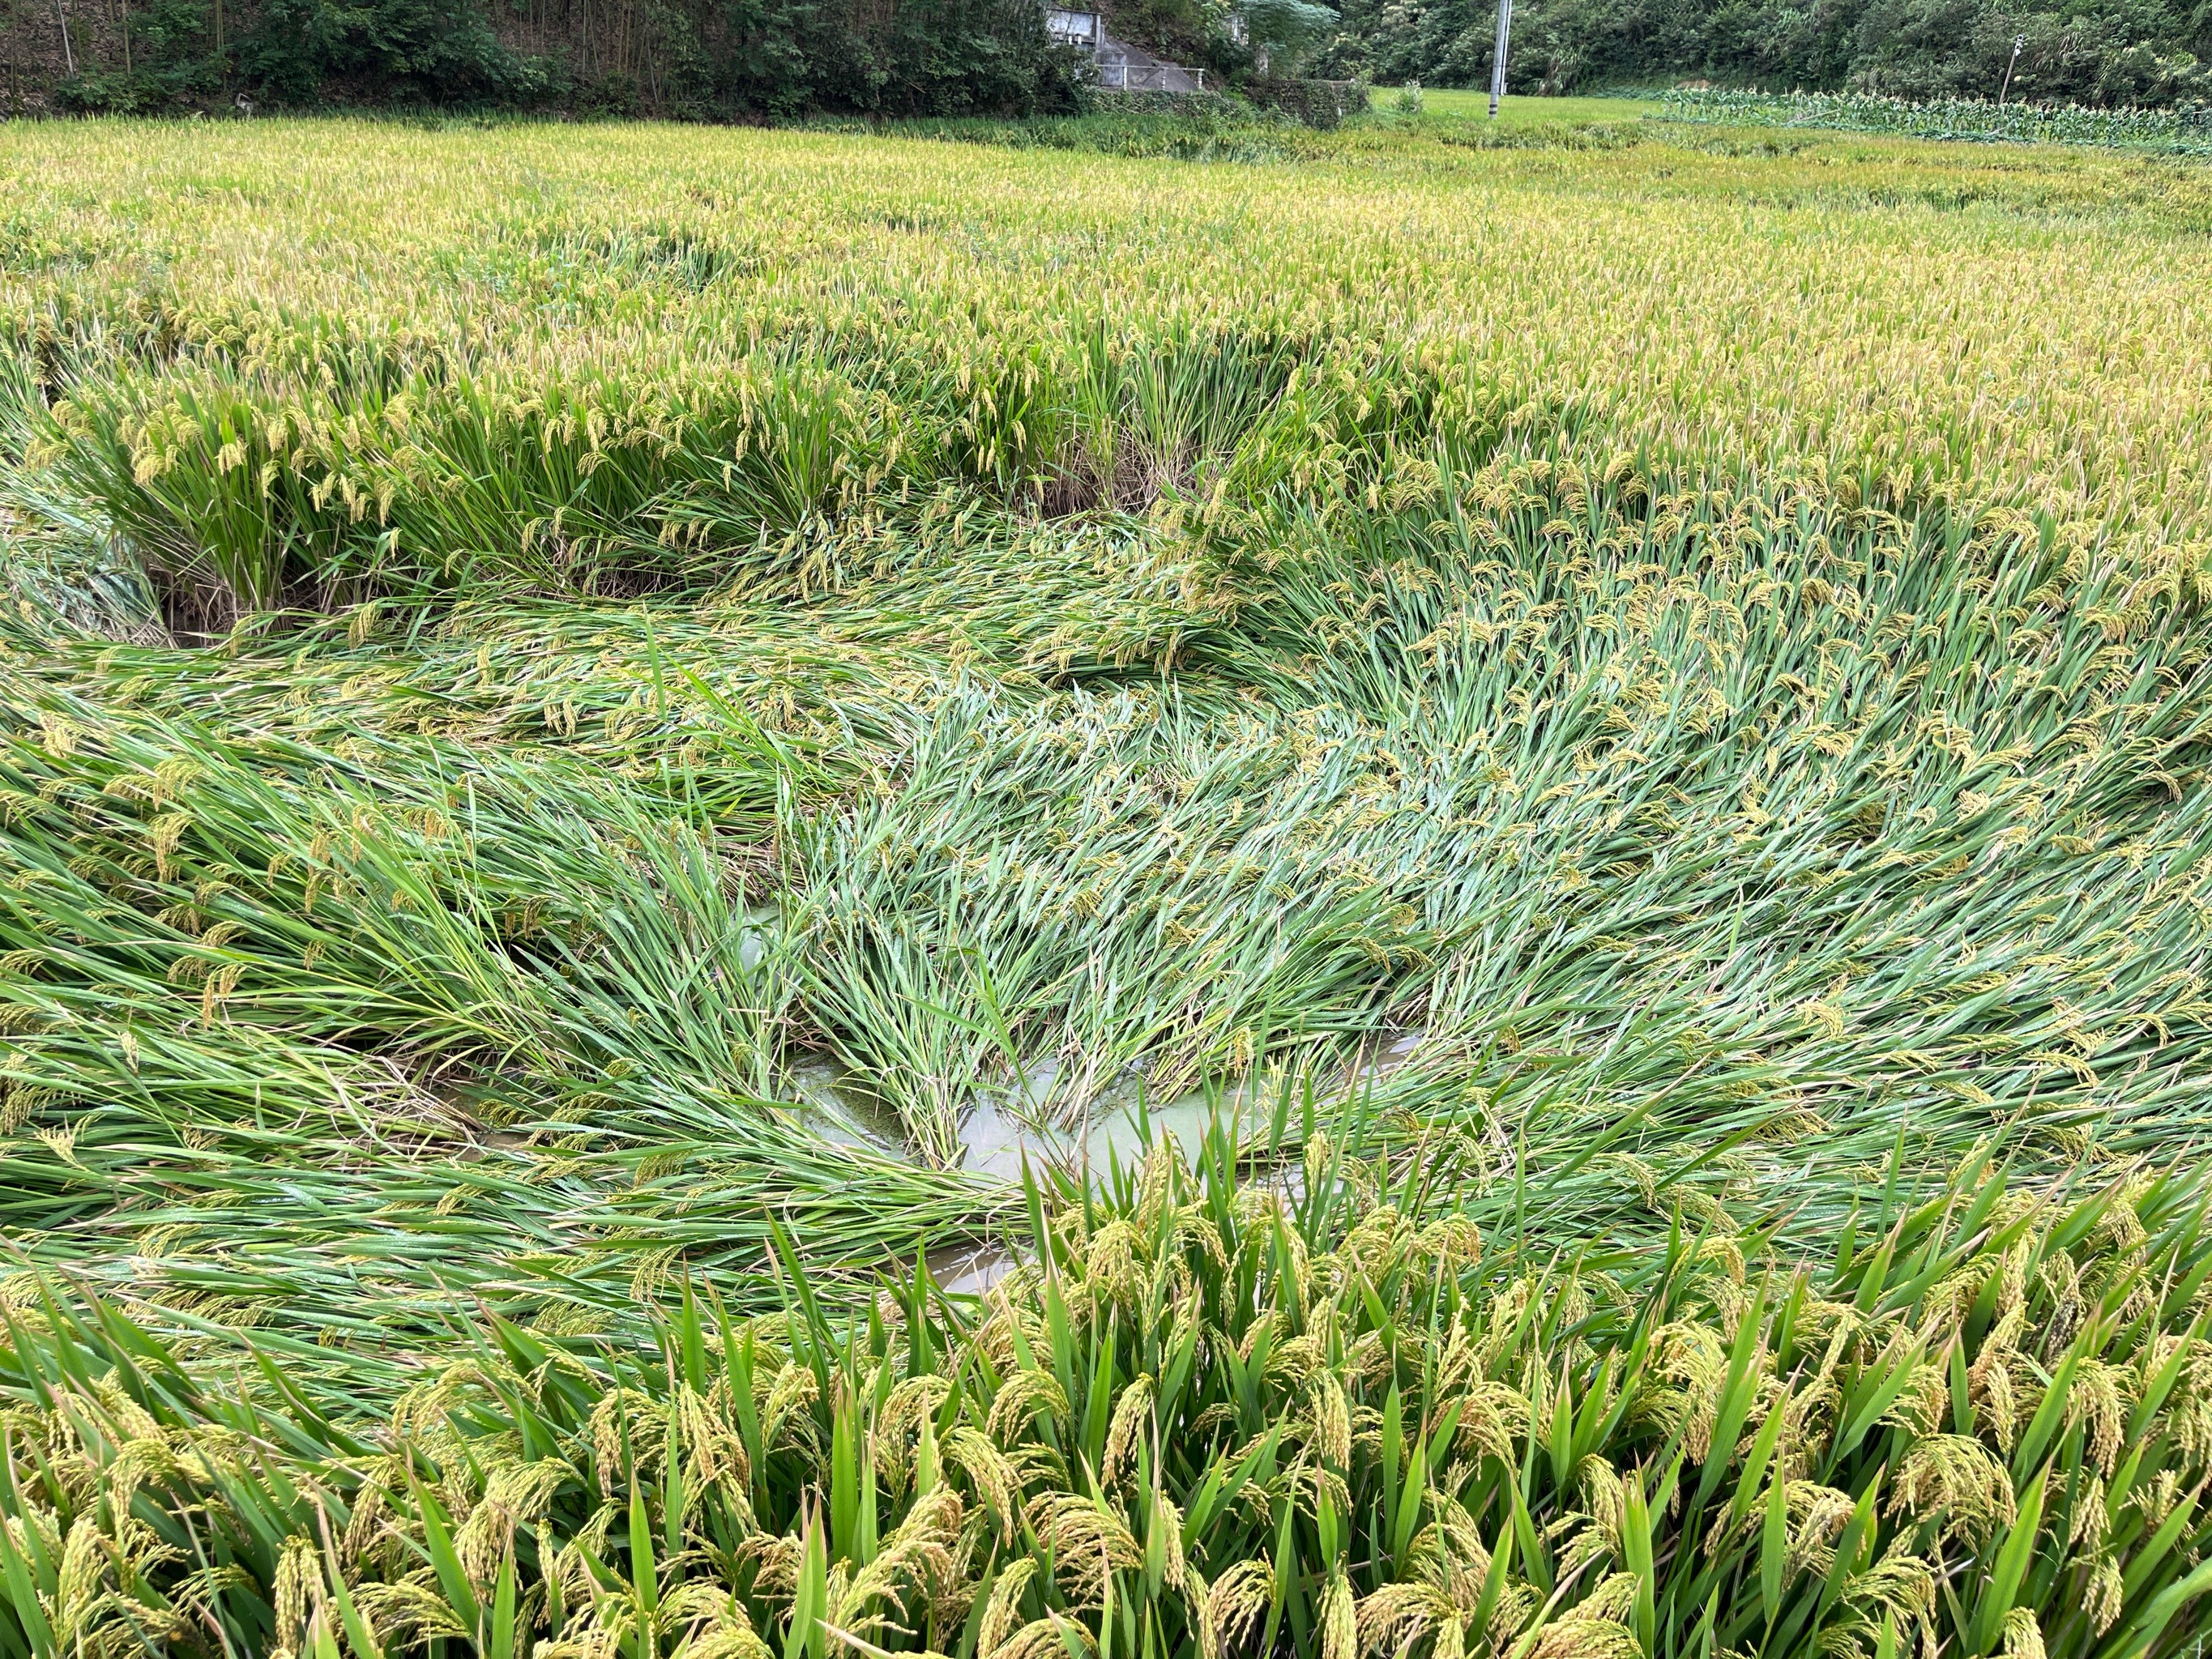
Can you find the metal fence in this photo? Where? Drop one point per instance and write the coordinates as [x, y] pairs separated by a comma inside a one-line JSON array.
[[1118, 75]]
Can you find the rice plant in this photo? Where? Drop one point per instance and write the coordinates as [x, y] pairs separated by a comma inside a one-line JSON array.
[[1209, 1419]]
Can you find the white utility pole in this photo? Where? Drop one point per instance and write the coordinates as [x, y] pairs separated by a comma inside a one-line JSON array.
[[1497, 59]]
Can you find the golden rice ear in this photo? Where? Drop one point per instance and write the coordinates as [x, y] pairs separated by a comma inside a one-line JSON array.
[[1045, 1639], [1398, 1615], [1235, 1602], [1109, 1262], [515, 1495], [1176, 1572], [1088, 1539], [1022, 1396], [2100, 1399], [1576, 1637], [912, 1401], [995, 1479], [299, 1585], [1958, 1481], [1339, 1619], [1332, 1421], [1132, 1419], [2022, 1635], [2105, 1595]]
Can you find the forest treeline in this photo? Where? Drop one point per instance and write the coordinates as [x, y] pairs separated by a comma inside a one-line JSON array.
[[709, 59], [768, 60]]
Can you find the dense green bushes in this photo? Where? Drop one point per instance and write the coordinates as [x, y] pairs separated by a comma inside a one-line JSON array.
[[2101, 52], [407, 50], [179, 54]]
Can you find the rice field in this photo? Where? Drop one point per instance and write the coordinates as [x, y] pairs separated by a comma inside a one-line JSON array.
[[1436, 894], [2184, 130], [1473, 103]]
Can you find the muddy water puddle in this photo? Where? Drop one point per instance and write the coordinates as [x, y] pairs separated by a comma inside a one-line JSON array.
[[998, 1135], [998, 1138]]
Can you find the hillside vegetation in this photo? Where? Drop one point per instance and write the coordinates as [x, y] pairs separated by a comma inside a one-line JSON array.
[[1431, 893], [699, 59]]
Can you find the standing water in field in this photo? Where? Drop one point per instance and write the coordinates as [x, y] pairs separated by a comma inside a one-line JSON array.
[[997, 1137]]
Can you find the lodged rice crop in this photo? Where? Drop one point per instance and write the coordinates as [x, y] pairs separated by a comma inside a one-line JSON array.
[[835, 894]]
